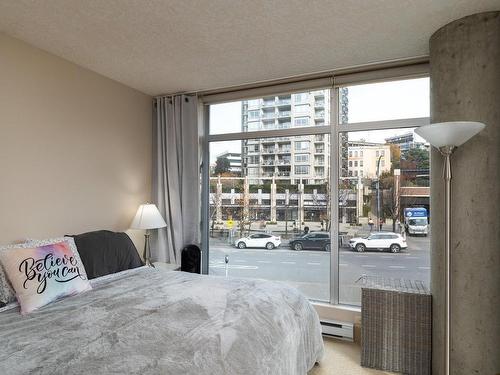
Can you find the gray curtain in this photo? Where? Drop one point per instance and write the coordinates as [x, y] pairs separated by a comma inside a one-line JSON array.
[[175, 175]]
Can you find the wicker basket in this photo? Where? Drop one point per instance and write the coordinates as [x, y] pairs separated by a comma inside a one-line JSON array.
[[396, 325]]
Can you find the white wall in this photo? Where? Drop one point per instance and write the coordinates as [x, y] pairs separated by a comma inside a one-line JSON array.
[[75, 147]]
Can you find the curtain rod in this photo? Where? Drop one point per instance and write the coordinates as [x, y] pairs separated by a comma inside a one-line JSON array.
[[306, 77]]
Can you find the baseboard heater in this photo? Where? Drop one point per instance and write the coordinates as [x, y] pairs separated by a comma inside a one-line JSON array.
[[339, 330]]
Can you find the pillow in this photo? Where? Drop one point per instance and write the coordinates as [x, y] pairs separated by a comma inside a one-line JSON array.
[[7, 293], [104, 252], [43, 274]]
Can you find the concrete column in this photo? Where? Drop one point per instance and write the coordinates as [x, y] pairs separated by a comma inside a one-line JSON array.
[[273, 199], [465, 85], [246, 200], [359, 198], [301, 204], [218, 202]]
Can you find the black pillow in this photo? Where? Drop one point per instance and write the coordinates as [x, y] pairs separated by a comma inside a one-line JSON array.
[[104, 252]]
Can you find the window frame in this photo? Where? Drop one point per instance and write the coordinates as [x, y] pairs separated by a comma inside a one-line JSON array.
[[385, 72]]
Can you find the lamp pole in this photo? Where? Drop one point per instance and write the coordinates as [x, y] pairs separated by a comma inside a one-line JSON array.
[[446, 151], [378, 192]]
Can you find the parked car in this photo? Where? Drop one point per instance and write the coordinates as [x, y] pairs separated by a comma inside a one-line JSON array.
[[311, 241], [265, 240], [393, 242]]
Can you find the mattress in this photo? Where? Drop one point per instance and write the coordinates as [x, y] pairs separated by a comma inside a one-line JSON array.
[[154, 321]]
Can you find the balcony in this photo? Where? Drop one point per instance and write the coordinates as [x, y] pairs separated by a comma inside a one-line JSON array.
[[284, 150], [284, 114], [319, 150], [319, 103], [268, 115], [269, 126], [282, 162], [283, 140], [319, 138], [284, 125], [283, 102], [283, 174], [319, 115], [269, 150], [268, 102], [268, 162], [268, 140]]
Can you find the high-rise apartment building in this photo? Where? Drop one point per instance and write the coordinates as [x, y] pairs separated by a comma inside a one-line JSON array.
[[289, 159]]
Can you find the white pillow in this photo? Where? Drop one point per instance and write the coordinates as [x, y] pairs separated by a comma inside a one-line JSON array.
[[43, 274], [7, 293]]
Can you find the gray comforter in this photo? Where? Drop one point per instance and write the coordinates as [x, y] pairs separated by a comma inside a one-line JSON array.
[[151, 321]]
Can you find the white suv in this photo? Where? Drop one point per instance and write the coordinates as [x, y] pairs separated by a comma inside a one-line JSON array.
[[259, 240], [379, 241]]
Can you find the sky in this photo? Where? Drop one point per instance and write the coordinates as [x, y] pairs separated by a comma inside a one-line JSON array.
[[368, 102]]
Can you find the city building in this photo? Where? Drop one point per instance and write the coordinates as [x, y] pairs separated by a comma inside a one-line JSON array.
[[363, 158], [405, 141], [234, 159], [290, 160]]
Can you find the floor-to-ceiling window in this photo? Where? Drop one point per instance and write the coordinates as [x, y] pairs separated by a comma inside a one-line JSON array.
[[383, 185], [320, 188], [269, 194]]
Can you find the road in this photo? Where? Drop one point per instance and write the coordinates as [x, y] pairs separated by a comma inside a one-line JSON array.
[[309, 271]]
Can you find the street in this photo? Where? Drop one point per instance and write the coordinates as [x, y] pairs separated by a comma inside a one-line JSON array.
[[309, 271]]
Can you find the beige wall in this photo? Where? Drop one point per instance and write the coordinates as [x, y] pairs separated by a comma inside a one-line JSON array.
[[75, 147]]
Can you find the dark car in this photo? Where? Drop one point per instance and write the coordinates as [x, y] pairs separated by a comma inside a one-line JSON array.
[[311, 241]]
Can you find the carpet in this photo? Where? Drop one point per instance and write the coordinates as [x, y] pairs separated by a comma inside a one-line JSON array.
[[342, 358]]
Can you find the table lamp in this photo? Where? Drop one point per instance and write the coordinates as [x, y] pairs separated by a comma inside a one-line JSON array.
[[446, 136], [148, 217]]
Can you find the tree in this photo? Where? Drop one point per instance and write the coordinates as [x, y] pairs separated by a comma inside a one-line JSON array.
[[391, 200], [415, 165], [395, 156], [415, 158], [222, 165]]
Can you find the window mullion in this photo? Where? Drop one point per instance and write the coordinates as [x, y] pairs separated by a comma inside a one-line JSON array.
[[334, 201]]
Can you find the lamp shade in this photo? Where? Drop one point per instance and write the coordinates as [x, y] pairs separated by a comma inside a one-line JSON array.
[[453, 133], [148, 217]]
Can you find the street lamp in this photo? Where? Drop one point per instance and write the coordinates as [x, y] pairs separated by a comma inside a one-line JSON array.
[[378, 192], [446, 136]]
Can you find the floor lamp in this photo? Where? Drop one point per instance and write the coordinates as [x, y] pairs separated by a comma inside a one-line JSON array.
[[446, 136]]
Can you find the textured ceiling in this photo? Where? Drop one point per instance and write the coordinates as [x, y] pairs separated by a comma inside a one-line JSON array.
[[183, 45]]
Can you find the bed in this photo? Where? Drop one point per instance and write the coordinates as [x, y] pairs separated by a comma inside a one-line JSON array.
[[154, 321]]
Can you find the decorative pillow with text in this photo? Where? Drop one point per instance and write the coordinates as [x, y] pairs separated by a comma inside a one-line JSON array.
[[7, 293], [43, 274]]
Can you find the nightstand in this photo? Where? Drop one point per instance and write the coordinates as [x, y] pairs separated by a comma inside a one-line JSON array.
[[167, 266]]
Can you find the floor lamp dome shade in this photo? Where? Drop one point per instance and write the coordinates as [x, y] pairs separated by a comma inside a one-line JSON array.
[[453, 133], [148, 217]]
